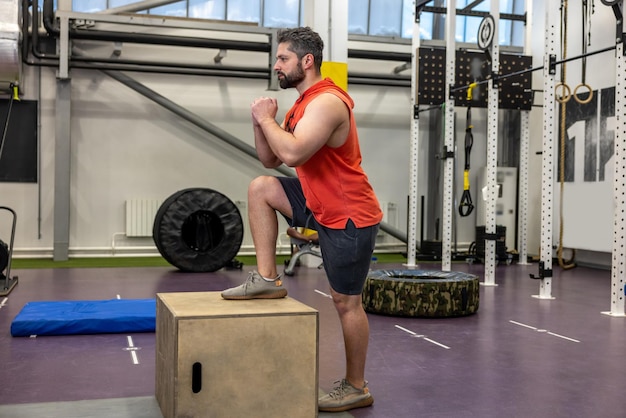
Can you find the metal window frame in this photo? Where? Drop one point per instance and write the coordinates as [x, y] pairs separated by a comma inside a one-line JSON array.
[[466, 11]]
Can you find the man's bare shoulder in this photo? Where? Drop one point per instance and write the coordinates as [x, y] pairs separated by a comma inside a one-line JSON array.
[[328, 101]]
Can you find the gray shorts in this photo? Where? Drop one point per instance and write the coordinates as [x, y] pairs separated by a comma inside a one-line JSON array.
[[347, 252]]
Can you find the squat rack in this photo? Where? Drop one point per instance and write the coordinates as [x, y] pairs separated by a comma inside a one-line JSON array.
[[618, 271], [618, 286], [549, 136], [449, 143]]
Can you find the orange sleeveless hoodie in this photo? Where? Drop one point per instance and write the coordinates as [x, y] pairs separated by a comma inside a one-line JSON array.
[[334, 184]]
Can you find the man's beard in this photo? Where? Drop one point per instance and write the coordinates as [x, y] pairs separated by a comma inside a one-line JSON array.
[[292, 79]]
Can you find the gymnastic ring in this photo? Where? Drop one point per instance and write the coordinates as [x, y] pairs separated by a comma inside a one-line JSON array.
[[588, 99], [566, 90]]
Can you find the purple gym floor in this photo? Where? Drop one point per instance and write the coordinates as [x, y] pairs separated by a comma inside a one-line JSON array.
[[518, 356]]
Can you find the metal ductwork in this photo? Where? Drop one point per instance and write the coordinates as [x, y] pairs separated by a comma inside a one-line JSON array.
[[41, 58], [10, 37]]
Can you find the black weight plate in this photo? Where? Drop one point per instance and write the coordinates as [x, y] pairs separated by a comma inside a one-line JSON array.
[[486, 31]]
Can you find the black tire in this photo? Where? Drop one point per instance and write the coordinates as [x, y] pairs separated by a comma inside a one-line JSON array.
[[421, 293], [198, 230]]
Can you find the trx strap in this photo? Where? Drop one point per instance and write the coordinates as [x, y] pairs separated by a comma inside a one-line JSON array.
[[465, 206]]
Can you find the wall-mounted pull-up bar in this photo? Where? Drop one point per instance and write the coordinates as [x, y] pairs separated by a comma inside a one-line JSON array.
[[553, 62]]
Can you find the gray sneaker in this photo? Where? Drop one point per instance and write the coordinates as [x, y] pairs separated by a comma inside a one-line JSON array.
[[256, 287], [344, 397]]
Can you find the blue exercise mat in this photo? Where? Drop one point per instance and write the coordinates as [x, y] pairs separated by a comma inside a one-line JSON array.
[[85, 317]]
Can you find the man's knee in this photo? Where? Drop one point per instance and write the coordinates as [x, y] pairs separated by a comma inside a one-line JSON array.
[[346, 303], [268, 190], [262, 186]]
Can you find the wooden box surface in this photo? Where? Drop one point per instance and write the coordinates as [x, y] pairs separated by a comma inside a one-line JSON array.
[[231, 358]]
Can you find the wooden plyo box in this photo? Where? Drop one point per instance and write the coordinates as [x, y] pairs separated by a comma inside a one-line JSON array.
[[235, 358]]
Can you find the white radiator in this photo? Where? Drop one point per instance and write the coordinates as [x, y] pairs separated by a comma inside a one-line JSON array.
[[140, 214]]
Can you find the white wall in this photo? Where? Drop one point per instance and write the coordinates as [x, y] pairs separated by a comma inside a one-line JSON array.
[[125, 146], [582, 231]]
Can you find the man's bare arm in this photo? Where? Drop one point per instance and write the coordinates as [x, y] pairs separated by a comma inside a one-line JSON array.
[[263, 150], [325, 121], [264, 107]]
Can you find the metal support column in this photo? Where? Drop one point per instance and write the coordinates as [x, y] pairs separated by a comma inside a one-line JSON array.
[[549, 139], [618, 264], [448, 163], [492, 152], [64, 47], [414, 145], [522, 213], [62, 151]]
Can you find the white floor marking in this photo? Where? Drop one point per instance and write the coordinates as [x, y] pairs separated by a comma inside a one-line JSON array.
[[544, 331], [406, 330], [564, 337], [133, 350], [323, 294], [522, 325], [131, 347], [436, 343], [4, 302], [423, 337]]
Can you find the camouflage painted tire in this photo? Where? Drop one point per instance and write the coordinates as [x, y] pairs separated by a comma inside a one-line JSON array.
[[421, 293]]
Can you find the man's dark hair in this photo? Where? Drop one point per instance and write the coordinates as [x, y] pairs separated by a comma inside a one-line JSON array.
[[303, 41]]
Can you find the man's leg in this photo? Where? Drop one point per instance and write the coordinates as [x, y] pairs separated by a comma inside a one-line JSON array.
[[356, 333], [346, 283], [352, 391], [266, 196]]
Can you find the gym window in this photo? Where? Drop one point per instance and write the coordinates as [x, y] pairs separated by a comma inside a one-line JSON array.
[[269, 13], [394, 18], [381, 18]]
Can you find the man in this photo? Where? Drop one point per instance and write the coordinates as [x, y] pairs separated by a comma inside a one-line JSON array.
[[319, 138]]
